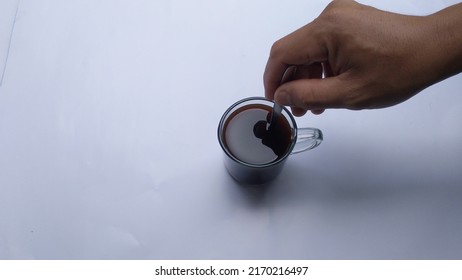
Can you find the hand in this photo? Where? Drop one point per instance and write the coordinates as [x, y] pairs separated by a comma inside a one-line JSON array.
[[357, 57]]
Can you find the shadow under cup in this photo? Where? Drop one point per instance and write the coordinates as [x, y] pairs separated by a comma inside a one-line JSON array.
[[254, 154]]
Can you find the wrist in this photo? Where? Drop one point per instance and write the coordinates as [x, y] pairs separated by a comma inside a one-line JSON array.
[[444, 30]]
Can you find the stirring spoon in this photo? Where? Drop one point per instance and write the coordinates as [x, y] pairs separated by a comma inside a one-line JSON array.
[[277, 108]]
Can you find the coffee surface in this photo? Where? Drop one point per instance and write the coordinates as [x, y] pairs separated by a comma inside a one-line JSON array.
[[247, 137]]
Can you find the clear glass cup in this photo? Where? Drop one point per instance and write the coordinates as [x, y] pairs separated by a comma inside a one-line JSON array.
[[301, 139]]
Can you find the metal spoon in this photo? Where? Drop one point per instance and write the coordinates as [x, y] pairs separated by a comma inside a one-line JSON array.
[[277, 108]]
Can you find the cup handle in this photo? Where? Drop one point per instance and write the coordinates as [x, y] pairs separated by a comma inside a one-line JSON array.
[[307, 139]]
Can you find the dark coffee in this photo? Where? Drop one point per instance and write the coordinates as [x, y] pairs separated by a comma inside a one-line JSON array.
[[247, 135]]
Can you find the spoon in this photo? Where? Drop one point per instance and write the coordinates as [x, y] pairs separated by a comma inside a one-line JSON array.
[[263, 128], [277, 108]]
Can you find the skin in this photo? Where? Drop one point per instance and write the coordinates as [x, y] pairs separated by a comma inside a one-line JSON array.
[[357, 57]]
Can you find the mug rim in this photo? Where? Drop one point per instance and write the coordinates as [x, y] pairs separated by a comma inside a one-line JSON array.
[[252, 165]]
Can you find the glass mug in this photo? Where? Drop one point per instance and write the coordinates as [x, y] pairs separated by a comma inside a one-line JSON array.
[[243, 131]]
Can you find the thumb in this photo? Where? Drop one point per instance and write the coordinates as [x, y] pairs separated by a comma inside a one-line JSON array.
[[312, 94]]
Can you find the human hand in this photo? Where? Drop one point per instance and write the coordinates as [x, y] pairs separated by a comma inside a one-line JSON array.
[[357, 57]]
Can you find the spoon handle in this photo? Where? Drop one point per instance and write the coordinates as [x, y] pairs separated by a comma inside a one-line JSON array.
[[277, 108]]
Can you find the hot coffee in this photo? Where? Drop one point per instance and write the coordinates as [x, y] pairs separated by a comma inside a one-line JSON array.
[[248, 137]]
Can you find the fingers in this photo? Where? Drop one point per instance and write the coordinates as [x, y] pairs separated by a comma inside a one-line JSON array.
[[272, 77], [317, 111], [311, 94], [298, 112], [312, 71]]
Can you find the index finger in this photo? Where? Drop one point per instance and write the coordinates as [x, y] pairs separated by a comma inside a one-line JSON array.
[[272, 77]]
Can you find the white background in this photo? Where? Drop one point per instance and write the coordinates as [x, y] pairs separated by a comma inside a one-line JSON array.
[[226, 269], [108, 149]]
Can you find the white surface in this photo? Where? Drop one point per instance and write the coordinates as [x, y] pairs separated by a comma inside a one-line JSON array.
[[108, 149], [8, 10]]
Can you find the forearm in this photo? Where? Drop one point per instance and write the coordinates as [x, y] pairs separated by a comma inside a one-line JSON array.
[[446, 42]]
